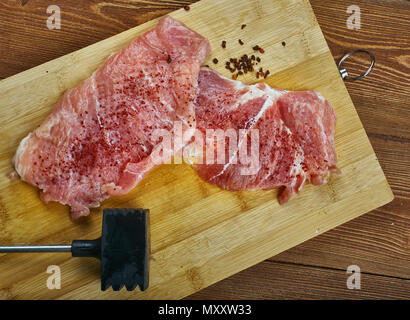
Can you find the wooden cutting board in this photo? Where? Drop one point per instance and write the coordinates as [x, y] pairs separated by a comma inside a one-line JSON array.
[[200, 234]]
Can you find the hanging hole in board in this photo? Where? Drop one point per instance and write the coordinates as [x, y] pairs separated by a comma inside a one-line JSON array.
[[345, 74]]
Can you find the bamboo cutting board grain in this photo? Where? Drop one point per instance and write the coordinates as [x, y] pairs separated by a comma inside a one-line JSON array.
[[200, 234]]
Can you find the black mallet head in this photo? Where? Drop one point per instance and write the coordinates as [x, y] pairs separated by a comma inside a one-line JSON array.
[[124, 249]]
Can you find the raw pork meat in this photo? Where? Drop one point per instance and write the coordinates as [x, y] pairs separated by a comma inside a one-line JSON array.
[[295, 132], [97, 142]]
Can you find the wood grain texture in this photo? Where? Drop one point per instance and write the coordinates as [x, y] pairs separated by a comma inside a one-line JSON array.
[[24, 29], [323, 251], [308, 282], [385, 30]]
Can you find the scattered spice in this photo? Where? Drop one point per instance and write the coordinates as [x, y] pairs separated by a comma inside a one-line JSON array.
[[257, 48], [187, 8], [283, 43], [243, 26], [245, 64], [215, 60], [261, 73], [242, 65], [169, 59]]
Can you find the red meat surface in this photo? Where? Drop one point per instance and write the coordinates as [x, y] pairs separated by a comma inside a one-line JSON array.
[[98, 140], [295, 133]]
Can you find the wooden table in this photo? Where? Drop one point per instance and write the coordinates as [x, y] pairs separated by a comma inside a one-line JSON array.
[[378, 242]]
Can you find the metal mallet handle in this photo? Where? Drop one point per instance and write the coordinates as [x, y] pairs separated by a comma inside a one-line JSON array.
[[79, 248], [45, 248]]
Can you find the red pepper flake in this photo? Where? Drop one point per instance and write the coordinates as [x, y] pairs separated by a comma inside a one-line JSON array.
[[261, 50], [243, 26], [215, 60], [240, 42], [187, 8], [224, 44], [235, 76]]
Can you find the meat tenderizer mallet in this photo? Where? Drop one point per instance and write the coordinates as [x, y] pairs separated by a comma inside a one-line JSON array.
[[123, 248]]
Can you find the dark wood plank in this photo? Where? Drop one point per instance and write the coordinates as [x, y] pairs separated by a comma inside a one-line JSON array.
[[384, 95], [25, 40], [379, 242], [394, 157], [274, 280]]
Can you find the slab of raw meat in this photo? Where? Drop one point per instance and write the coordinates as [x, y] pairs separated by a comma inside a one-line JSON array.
[[295, 132], [98, 140]]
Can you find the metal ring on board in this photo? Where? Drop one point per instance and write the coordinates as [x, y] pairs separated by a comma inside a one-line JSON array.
[[343, 72]]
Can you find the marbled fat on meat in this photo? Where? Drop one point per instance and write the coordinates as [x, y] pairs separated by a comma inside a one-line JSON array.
[[295, 129], [97, 142]]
